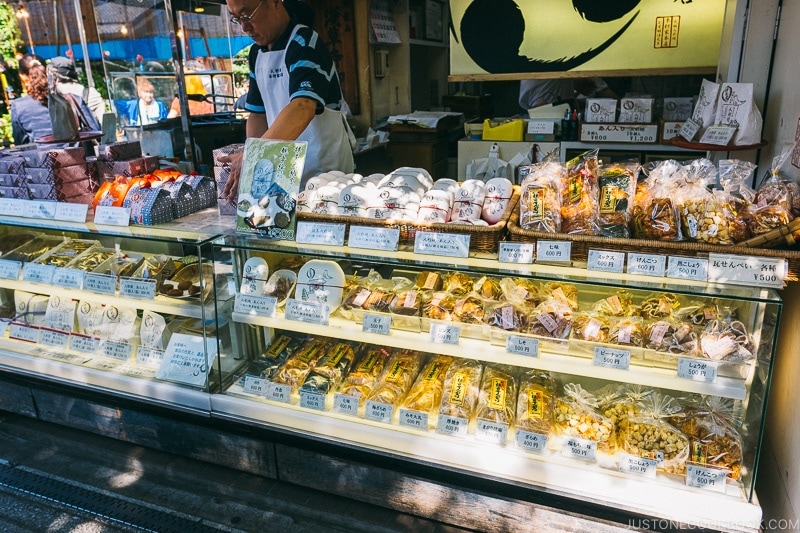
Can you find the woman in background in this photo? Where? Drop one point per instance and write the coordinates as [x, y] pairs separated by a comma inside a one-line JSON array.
[[30, 119]]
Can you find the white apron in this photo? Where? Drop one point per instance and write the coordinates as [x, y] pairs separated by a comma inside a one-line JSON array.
[[328, 143]]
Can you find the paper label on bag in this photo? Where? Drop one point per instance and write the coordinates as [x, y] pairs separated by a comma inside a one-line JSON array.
[[647, 264], [10, 269], [320, 233], [344, 403], [443, 244], [112, 216], [531, 442], [413, 419], [374, 238], [553, 252], [516, 252]]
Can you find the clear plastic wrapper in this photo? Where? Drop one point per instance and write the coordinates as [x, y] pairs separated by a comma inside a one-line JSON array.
[[655, 215], [698, 313], [498, 395], [540, 196], [702, 218], [617, 187], [398, 376], [563, 292], [265, 365], [628, 331], [469, 309], [672, 336], [458, 283], [488, 288], [439, 306], [330, 369], [507, 316], [461, 389], [727, 339], [407, 303], [618, 304], [363, 377], [771, 205], [577, 415], [294, 371], [536, 402], [734, 175], [620, 403], [648, 434], [425, 394], [592, 327], [661, 305], [429, 281], [521, 291], [551, 318], [579, 196]]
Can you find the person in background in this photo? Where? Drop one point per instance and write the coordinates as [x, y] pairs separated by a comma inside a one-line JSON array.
[[535, 93], [30, 118], [147, 110], [67, 79], [294, 91]]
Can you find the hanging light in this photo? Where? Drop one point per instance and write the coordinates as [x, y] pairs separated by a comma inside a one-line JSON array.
[[22, 13], [198, 7], [123, 29]]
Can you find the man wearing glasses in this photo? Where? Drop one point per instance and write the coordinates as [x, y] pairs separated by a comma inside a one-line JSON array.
[[294, 89]]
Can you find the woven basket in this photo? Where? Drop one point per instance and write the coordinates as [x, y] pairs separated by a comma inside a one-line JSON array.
[[482, 238], [786, 235], [581, 244]]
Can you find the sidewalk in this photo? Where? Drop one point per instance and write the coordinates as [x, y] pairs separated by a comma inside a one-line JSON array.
[[54, 479]]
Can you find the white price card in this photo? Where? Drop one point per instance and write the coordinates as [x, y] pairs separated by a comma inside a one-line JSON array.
[[187, 359], [149, 357], [452, 425], [492, 432], [38, 273], [68, 212], [443, 244], [69, 278], [647, 264], [84, 343], [553, 252], [4, 322], [706, 478], [53, 338], [442, 333], [380, 324], [612, 358], [141, 289], [414, 419], [23, 332], [640, 466], [311, 312], [531, 442], [516, 252], [606, 261], [522, 345], [380, 412], [697, 369], [311, 400], [10, 269], [691, 268], [278, 392], [747, 270], [719, 135], [119, 351], [100, 283], [42, 209], [541, 127], [690, 129], [253, 304], [583, 449], [13, 207], [344, 403], [370, 238], [320, 233], [112, 216]]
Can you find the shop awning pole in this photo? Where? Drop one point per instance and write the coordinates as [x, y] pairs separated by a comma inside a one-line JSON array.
[[84, 47]]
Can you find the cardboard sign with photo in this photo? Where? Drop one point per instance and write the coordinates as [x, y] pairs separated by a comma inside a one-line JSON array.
[[268, 188]]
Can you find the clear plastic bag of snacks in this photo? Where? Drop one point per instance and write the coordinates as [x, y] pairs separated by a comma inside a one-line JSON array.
[[727, 339], [579, 195], [648, 434], [701, 218], [672, 336], [364, 375], [771, 205], [461, 389], [660, 305], [540, 196], [425, 394], [655, 214], [551, 318], [398, 376], [618, 304], [620, 403], [617, 187], [592, 327], [536, 402], [735, 196], [577, 415], [498, 395]]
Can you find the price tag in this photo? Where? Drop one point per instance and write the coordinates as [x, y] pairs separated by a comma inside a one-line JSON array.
[[256, 305], [100, 283], [119, 351], [23, 332], [112, 216], [444, 244], [531, 442], [10, 269], [320, 233], [442, 333], [516, 252], [311, 312], [380, 412], [41, 209], [706, 478], [68, 212], [69, 278], [380, 324], [141, 289], [690, 129], [625, 133], [641, 466], [492, 432], [697, 369], [719, 135], [279, 393], [553, 252], [54, 338], [12, 207], [606, 261], [84, 343], [149, 357], [374, 238], [187, 359], [310, 400], [452, 425], [687, 268], [344, 403], [37, 273], [747, 270], [647, 264], [541, 127], [612, 358], [414, 419], [522, 346], [4, 322], [583, 449]]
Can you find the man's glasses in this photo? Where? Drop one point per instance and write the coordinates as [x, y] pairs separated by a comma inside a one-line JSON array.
[[244, 19]]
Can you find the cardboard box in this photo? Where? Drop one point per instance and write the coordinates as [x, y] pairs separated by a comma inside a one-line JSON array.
[[11, 180], [54, 157], [12, 164], [120, 151], [600, 110], [15, 192], [108, 170], [636, 110], [503, 130]]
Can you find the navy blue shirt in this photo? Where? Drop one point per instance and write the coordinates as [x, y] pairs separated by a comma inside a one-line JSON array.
[[30, 120], [309, 65]]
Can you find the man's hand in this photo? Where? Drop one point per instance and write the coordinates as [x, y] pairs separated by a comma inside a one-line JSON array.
[[231, 189]]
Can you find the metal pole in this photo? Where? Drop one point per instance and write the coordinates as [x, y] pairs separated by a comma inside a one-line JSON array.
[[177, 62], [84, 47]]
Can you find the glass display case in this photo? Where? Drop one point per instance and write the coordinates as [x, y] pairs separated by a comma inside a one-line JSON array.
[[617, 389], [126, 310]]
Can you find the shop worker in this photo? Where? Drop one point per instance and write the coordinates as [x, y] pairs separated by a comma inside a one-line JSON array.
[[294, 91]]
